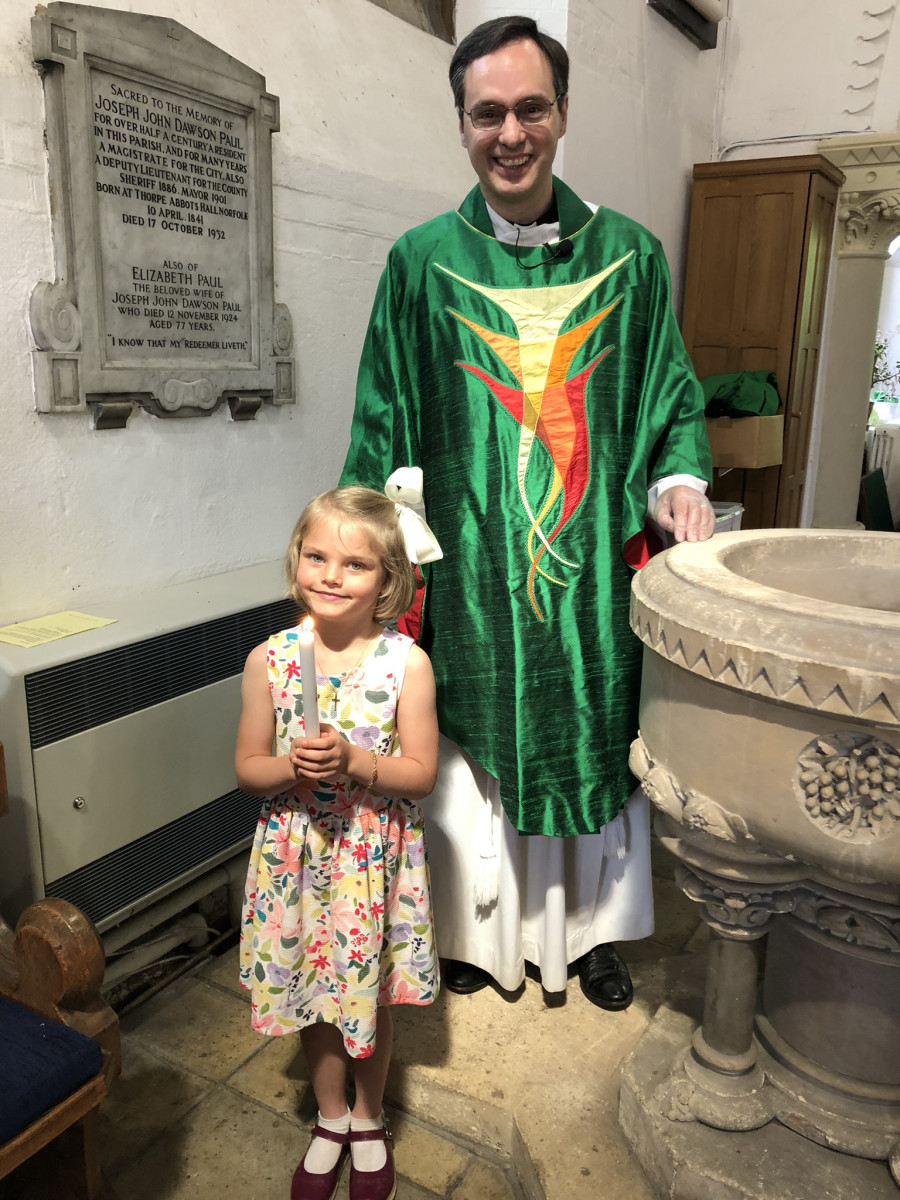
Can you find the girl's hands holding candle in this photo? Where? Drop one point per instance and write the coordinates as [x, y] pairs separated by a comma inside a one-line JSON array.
[[411, 774], [323, 757]]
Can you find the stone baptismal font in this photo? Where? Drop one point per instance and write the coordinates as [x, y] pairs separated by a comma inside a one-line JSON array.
[[770, 746]]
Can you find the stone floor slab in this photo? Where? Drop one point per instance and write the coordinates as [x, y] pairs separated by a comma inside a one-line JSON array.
[[426, 1159], [483, 1181], [223, 971], [198, 1026], [150, 1097], [276, 1076], [232, 1149]]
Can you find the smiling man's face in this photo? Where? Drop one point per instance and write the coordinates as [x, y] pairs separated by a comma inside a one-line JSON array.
[[514, 163]]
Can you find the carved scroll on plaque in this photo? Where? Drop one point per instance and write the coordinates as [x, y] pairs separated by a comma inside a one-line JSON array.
[[161, 177]]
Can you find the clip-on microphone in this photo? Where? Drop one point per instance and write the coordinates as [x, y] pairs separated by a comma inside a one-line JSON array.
[[560, 252]]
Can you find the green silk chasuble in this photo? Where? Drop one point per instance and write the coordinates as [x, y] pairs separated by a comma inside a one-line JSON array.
[[540, 404]]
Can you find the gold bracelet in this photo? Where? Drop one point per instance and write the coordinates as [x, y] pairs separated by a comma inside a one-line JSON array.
[[374, 778]]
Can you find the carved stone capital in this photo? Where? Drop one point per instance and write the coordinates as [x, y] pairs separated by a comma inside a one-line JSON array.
[[734, 910], [869, 222], [869, 206], [850, 919]]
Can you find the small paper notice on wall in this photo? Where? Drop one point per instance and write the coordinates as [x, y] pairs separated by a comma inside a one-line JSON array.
[[50, 628]]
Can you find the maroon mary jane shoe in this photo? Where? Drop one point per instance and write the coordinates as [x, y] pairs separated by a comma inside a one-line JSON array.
[[314, 1185], [373, 1185]]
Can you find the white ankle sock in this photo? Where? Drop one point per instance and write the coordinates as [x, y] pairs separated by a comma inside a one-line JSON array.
[[368, 1156], [323, 1153]]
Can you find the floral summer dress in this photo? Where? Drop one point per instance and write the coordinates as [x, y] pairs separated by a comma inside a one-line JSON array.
[[337, 909]]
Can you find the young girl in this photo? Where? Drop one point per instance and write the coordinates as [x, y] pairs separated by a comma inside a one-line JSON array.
[[337, 917]]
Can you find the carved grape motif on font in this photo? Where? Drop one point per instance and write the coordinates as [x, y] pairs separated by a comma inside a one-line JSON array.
[[850, 784]]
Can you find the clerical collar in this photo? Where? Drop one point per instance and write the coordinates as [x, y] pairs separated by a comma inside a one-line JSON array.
[[574, 214], [545, 229], [550, 215]]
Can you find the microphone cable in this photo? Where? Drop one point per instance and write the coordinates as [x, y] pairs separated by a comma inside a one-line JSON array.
[[559, 253]]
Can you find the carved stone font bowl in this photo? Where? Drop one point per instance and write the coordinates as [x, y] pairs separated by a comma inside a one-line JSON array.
[[770, 707]]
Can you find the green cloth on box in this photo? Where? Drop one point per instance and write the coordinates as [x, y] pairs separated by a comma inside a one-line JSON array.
[[741, 394], [539, 403]]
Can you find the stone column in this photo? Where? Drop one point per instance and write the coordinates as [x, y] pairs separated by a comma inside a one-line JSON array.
[[721, 1083], [724, 1042], [868, 220]]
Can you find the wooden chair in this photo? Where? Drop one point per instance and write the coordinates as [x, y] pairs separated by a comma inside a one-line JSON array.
[[52, 966]]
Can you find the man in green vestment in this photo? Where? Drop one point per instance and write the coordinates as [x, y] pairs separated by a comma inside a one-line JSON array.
[[523, 352]]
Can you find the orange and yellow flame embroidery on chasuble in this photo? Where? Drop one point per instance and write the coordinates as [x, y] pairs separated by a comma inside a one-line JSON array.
[[540, 405]]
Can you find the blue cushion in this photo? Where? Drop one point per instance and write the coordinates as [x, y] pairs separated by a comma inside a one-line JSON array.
[[41, 1062]]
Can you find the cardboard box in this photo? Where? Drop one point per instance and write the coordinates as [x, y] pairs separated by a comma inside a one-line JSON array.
[[746, 441]]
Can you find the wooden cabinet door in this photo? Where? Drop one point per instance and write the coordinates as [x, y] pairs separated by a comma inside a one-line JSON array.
[[744, 265], [807, 343], [758, 255]]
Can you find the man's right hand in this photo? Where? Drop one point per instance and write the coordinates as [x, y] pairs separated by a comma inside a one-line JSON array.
[[686, 513]]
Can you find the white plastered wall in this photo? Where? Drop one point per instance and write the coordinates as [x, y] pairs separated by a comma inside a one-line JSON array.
[[794, 73], [643, 103], [362, 155]]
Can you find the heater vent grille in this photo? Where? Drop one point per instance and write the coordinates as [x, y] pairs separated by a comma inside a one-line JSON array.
[[75, 696], [133, 871]]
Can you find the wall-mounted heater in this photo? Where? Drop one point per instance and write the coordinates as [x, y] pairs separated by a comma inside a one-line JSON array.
[[119, 747]]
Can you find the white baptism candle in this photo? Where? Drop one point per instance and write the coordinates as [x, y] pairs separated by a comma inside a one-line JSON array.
[[306, 653]]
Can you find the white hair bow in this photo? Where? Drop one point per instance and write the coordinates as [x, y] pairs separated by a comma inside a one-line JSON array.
[[404, 487]]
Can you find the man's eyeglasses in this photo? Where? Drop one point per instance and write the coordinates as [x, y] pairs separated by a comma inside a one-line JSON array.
[[534, 111]]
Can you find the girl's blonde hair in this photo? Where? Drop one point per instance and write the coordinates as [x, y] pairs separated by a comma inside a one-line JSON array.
[[376, 518]]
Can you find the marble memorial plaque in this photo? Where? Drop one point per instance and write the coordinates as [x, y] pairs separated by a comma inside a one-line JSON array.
[[160, 156]]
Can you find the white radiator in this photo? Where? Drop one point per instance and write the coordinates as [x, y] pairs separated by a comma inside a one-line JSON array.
[[880, 447], [119, 746]]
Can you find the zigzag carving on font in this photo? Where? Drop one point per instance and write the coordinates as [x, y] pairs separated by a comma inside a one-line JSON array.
[[772, 676]]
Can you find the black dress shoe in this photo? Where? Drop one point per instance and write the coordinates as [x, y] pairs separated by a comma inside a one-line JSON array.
[[605, 979], [462, 977]]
